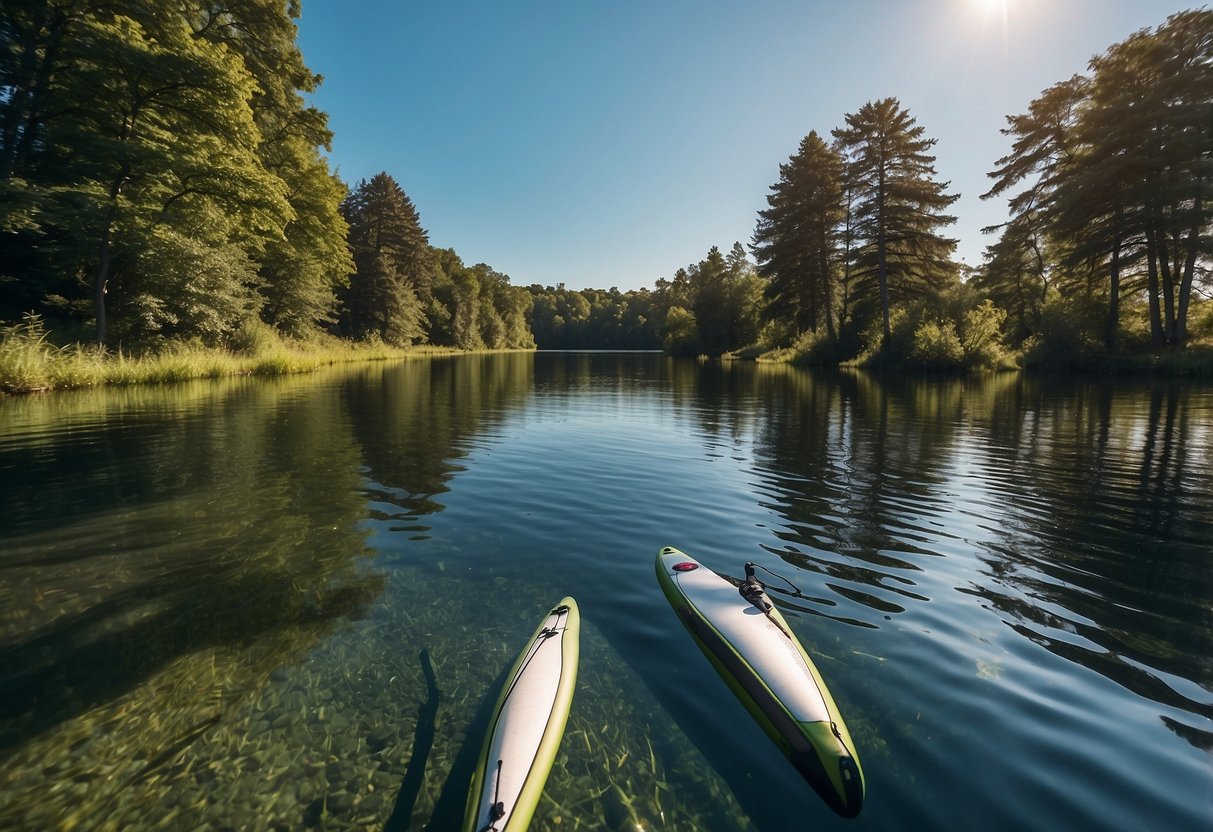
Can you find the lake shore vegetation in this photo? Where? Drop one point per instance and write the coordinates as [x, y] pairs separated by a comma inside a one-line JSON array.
[[153, 232], [197, 210], [29, 362]]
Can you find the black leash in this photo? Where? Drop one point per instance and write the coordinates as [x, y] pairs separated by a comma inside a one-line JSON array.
[[750, 567], [752, 590], [497, 810]]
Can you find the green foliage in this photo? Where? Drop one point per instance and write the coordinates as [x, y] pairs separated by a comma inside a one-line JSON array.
[[897, 208], [563, 318], [981, 336], [303, 270], [465, 313], [680, 336], [184, 287], [30, 362], [1070, 334], [1116, 178], [950, 330], [27, 361], [936, 346], [810, 348], [718, 302], [1202, 320], [797, 238], [196, 192], [475, 308], [1109, 180], [393, 264], [252, 337], [1015, 274], [727, 301]]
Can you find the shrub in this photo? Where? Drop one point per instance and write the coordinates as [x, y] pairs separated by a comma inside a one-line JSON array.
[[253, 337], [980, 337], [1200, 317], [936, 346], [1070, 333]]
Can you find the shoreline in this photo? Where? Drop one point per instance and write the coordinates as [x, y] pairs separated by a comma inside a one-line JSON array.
[[30, 365]]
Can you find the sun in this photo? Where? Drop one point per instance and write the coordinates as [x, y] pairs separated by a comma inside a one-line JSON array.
[[992, 10], [993, 5]]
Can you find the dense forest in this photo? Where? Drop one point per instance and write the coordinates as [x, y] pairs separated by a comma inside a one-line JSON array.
[[162, 176], [198, 203]]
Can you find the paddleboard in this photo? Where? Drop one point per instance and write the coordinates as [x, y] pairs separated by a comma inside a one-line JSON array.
[[527, 726], [756, 653]]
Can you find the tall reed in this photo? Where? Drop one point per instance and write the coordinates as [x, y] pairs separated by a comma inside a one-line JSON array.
[[29, 362]]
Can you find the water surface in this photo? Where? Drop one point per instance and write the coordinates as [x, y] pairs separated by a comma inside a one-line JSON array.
[[289, 603]]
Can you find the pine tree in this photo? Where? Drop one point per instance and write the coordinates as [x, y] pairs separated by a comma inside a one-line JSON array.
[[1020, 267], [1118, 169], [712, 302], [797, 238], [1142, 186], [898, 206], [392, 262], [745, 298], [1015, 274]]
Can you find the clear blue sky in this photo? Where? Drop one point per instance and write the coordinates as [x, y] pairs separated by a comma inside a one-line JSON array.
[[606, 143]]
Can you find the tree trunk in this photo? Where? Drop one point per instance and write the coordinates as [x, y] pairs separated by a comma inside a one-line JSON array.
[[1200, 192], [884, 287], [41, 63], [102, 277], [829, 292], [105, 253], [814, 306], [846, 265], [1185, 285], [1157, 337], [1113, 323], [882, 264], [20, 94], [1021, 303], [1168, 286]]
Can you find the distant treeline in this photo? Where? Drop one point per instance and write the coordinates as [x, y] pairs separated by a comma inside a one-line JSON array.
[[163, 178], [712, 306]]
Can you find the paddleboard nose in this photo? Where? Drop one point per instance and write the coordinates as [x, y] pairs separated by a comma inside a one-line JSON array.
[[852, 783]]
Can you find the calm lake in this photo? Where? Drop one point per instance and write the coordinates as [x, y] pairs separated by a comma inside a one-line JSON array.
[[289, 603]]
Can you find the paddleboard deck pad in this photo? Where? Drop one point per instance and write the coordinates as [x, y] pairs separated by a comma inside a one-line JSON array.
[[758, 656], [527, 726]]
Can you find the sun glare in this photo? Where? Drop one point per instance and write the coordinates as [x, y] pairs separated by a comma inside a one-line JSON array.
[[994, 12]]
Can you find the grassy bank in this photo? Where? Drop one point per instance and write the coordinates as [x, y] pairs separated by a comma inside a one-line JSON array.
[[917, 345], [30, 362], [1195, 361]]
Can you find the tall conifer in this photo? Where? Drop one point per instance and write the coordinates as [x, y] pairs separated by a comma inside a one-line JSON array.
[[797, 238], [392, 263], [898, 205]]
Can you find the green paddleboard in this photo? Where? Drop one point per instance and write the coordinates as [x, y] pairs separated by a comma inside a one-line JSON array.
[[755, 652], [527, 726]]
